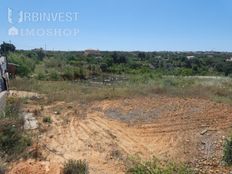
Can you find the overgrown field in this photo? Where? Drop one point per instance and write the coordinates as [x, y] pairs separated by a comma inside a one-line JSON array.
[[58, 65], [117, 104], [218, 89]]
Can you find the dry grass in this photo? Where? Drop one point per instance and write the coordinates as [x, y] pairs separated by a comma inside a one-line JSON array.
[[219, 90], [155, 166], [73, 91]]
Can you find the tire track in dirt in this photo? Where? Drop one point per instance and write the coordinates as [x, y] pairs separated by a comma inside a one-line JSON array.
[[168, 128], [129, 142]]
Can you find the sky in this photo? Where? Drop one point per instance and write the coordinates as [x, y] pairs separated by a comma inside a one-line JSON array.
[[118, 25]]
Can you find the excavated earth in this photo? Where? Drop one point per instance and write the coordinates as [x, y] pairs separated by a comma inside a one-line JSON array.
[[106, 133]]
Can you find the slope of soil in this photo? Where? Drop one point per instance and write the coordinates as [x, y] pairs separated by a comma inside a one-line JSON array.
[[106, 133]]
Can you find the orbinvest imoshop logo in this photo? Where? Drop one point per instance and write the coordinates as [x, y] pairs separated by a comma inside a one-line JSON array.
[[12, 31], [17, 19]]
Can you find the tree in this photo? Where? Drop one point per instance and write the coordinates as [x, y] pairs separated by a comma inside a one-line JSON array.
[[40, 53], [122, 59], [228, 69], [142, 56], [104, 67], [6, 48], [115, 57]]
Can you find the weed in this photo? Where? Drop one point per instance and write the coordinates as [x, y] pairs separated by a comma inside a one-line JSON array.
[[134, 86], [75, 167], [47, 119], [154, 166], [227, 156]]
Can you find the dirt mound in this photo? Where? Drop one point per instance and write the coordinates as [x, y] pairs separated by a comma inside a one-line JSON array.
[[34, 167], [28, 168], [179, 129]]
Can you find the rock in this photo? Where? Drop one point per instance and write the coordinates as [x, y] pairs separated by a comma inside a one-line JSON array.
[[35, 97], [202, 148], [69, 107], [30, 122], [57, 112], [204, 131], [203, 143]]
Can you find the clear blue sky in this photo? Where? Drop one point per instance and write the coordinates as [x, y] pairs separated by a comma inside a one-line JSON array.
[[147, 25]]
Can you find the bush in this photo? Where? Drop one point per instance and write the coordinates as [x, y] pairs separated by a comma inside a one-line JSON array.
[[40, 76], [227, 156], [75, 167], [104, 67], [68, 73], [25, 64], [47, 120], [53, 75], [12, 140]]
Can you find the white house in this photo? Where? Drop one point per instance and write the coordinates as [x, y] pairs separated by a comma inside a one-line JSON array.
[[229, 59]]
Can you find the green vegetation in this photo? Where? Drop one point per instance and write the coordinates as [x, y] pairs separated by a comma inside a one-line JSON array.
[[77, 65], [154, 166], [5, 48], [227, 156], [75, 167], [47, 119], [12, 109], [26, 65], [76, 76], [13, 140], [146, 84]]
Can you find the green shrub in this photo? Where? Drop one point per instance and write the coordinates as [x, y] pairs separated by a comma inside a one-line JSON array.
[[104, 67], [40, 76], [47, 119], [26, 65], [227, 156], [75, 167], [183, 72], [68, 73], [54, 75], [12, 140]]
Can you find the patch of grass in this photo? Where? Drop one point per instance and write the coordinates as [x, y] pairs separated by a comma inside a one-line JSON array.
[[136, 85], [12, 108], [76, 167], [13, 139], [47, 119], [154, 166]]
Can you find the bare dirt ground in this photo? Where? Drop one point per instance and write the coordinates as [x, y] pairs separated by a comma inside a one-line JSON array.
[[106, 133]]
